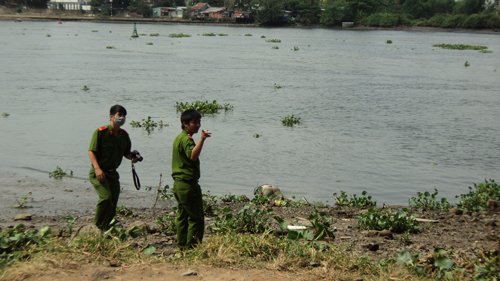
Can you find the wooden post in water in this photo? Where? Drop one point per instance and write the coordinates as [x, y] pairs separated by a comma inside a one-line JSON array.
[[134, 33]]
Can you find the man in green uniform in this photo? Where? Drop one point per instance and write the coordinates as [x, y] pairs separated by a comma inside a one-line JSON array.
[[109, 144], [190, 220]]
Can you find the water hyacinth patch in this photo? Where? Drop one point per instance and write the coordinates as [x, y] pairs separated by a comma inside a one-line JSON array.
[[363, 201], [204, 107], [59, 173], [385, 219], [461, 47], [428, 201], [273, 41], [178, 35], [291, 120], [148, 124], [480, 196]]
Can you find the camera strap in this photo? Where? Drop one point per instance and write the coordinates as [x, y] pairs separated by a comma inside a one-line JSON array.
[[137, 182]]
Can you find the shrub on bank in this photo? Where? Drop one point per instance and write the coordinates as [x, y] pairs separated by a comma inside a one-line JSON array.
[[385, 20], [473, 21]]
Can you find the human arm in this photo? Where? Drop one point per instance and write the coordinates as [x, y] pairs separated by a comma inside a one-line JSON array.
[[99, 174], [195, 153]]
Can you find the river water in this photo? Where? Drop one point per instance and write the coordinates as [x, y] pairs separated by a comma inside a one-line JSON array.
[[391, 119]]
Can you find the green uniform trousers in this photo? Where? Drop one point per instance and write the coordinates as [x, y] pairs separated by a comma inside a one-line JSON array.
[[190, 220], [108, 192]]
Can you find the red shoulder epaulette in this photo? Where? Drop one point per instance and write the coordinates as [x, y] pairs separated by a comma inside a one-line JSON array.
[[102, 128]]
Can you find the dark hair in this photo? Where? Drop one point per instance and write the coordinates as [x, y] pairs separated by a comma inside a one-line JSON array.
[[189, 115], [117, 108]]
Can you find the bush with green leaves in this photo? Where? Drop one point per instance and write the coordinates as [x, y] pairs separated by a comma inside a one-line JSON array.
[[363, 201], [428, 201], [487, 267], [117, 231], [398, 221], [204, 107], [14, 242], [440, 265], [210, 203], [478, 197], [166, 223], [249, 219], [382, 20], [321, 227]]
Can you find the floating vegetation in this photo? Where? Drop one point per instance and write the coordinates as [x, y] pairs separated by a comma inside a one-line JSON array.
[[295, 48], [461, 47], [95, 30], [154, 34], [466, 64], [148, 124], [257, 135], [21, 202], [248, 34], [149, 43], [85, 88], [273, 41], [110, 47], [275, 47], [59, 173], [208, 34], [277, 86], [486, 51], [262, 36], [5, 114], [223, 34], [143, 34], [48, 35], [204, 107], [178, 35], [388, 41], [291, 120]]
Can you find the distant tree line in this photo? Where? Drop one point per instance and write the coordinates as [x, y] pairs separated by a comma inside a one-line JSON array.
[[378, 13]]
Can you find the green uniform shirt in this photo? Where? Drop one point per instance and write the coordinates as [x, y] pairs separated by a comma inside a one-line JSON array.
[[108, 148], [183, 168]]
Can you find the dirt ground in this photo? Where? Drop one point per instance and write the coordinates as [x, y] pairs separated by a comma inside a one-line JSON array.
[[50, 202]]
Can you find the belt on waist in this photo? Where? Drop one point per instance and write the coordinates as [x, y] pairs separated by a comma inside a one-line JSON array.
[[187, 180]]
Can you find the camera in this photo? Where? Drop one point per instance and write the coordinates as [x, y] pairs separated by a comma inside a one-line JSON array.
[[136, 155]]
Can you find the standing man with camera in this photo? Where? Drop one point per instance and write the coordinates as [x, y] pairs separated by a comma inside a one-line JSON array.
[[109, 144]]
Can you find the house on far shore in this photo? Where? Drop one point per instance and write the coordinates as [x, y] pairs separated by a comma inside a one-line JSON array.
[[196, 10], [169, 12], [215, 13], [69, 5]]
